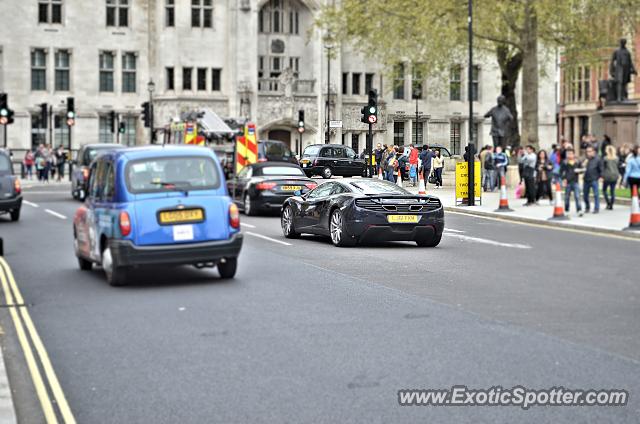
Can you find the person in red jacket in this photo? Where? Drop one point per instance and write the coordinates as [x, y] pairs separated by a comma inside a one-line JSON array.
[[413, 163]]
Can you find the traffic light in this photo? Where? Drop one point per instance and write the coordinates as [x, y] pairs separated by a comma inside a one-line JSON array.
[[122, 127], [4, 109], [369, 113], [301, 121], [44, 115], [112, 121], [146, 114], [71, 112]]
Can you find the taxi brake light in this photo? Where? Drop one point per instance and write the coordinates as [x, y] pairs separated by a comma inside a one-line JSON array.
[[85, 173], [125, 223], [234, 216], [16, 186]]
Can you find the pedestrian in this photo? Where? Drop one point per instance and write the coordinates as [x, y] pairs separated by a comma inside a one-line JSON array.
[[569, 173], [610, 176], [623, 155], [29, 160], [489, 167], [413, 163], [61, 158], [378, 155], [501, 162], [544, 168], [438, 166], [383, 160], [592, 176], [632, 172], [606, 142], [426, 156], [40, 167], [403, 159], [556, 160], [391, 164], [528, 162]]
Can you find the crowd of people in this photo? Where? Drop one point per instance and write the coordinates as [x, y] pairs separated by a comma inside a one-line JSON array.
[[45, 162], [602, 167], [426, 161]]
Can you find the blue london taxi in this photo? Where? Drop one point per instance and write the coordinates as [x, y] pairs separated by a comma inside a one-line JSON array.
[[157, 205]]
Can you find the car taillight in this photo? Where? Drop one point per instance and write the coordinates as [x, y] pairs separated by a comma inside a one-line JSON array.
[[125, 224], [234, 216], [262, 160], [16, 186], [265, 186], [85, 173], [311, 186]]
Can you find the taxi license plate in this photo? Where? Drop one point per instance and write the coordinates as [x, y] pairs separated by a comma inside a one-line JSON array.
[[176, 217], [291, 188], [403, 219]]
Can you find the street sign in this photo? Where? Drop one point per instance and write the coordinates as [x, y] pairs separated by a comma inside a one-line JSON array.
[[373, 119], [335, 124]]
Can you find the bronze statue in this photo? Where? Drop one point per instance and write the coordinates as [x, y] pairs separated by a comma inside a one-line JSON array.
[[621, 69], [501, 118]]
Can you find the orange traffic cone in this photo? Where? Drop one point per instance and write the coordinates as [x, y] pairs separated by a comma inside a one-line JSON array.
[[421, 188], [399, 179], [504, 201], [380, 177], [634, 221], [558, 208]]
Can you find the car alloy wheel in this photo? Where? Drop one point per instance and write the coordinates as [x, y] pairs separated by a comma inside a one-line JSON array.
[[247, 205], [114, 273], [326, 173], [287, 223]]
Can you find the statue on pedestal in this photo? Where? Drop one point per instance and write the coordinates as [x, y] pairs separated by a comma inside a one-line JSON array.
[[621, 69], [501, 118]]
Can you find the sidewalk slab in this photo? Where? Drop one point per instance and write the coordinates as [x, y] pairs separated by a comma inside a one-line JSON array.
[[7, 411]]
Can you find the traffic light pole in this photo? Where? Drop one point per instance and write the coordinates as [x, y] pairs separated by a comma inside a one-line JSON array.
[[471, 157], [369, 151]]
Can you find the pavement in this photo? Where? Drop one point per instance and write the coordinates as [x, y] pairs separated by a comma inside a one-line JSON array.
[[310, 333]]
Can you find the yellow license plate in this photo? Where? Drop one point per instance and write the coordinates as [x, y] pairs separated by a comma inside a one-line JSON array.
[[175, 217], [291, 188], [403, 219]]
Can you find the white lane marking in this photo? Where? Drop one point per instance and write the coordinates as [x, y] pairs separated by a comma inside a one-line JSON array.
[[26, 191], [487, 241], [268, 238], [451, 230], [244, 224], [56, 214], [33, 205]]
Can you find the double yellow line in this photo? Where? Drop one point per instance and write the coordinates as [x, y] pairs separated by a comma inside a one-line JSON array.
[[28, 337]]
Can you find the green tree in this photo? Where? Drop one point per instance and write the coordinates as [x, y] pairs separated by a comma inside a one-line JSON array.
[[433, 34]]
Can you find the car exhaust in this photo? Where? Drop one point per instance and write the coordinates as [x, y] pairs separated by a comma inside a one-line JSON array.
[[202, 265]]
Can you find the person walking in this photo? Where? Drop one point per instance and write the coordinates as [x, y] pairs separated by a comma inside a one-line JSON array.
[[413, 163], [426, 156], [501, 162], [391, 164], [528, 161], [438, 166], [544, 168], [61, 158], [610, 176], [378, 156], [556, 160], [592, 175], [632, 170], [489, 167], [569, 173], [29, 160]]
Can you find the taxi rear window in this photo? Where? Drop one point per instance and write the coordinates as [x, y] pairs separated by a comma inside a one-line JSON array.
[[166, 174]]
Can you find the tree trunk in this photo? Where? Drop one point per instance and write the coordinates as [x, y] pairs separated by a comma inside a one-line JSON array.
[[530, 76], [510, 62]]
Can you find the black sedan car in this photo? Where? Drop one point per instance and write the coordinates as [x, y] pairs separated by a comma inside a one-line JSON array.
[[364, 210], [264, 186]]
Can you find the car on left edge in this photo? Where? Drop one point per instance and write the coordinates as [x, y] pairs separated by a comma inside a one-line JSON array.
[[10, 189], [157, 205]]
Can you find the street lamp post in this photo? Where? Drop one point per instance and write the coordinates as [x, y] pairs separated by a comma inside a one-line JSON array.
[[328, 46], [416, 94], [151, 86], [471, 153]]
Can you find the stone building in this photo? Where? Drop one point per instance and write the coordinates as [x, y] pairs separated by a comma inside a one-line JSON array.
[[254, 59]]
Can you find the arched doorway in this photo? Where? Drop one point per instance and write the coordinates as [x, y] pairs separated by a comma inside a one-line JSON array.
[[281, 135]]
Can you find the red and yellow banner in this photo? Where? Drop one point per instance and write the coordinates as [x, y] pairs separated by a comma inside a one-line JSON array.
[[246, 147]]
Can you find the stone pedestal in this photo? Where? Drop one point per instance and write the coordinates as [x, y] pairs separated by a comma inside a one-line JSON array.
[[621, 122]]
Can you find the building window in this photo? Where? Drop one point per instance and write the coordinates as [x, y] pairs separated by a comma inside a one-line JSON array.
[[129, 73], [580, 84], [398, 83], [475, 133], [129, 136], [202, 79], [62, 62], [186, 78], [279, 16], [216, 79], [38, 130], [105, 135], [118, 13], [368, 83], [355, 142], [398, 133], [418, 132], [261, 67], [170, 13], [355, 83], [416, 84], [454, 138], [50, 11], [345, 82], [39, 69], [170, 78], [61, 131], [455, 83], [475, 83], [293, 22], [294, 65], [106, 72], [275, 67], [202, 13]]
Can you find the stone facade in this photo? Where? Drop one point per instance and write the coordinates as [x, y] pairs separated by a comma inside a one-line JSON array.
[[244, 65]]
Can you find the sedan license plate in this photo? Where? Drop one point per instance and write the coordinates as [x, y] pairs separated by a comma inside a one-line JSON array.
[[290, 188], [403, 219], [176, 217]]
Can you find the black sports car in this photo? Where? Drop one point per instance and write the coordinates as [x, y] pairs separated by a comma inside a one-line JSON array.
[[264, 186], [364, 210]]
